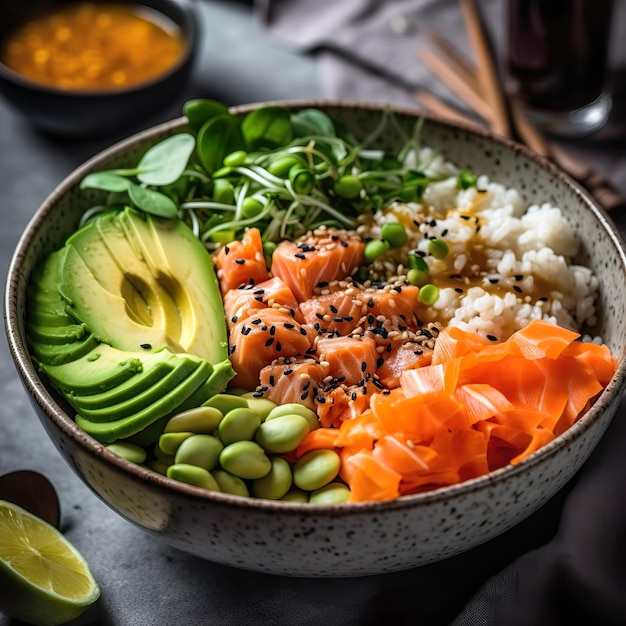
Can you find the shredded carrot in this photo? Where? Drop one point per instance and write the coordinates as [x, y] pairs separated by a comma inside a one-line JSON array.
[[480, 405]]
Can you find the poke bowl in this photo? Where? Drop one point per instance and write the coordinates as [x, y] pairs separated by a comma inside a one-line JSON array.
[[394, 382]]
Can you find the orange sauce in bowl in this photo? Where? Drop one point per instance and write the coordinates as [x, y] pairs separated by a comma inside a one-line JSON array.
[[86, 46]]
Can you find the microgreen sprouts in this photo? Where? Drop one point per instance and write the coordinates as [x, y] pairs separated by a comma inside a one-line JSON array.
[[284, 172]]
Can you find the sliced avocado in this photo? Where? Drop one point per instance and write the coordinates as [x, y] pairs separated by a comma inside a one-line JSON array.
[[149, 396], [125, 427], [57, 354], [103, 368], [57, 334]]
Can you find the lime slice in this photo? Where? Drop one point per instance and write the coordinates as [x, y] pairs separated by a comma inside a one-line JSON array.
[[44, 580]]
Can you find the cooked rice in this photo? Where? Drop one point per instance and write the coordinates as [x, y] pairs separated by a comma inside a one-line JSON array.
[[507, 263]]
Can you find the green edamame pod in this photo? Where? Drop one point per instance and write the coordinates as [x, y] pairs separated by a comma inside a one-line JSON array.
[[129, 451], [315, 468], [292, 408], [282, 434], [333, 493], [192, 475], [199, 450], [229, 483], [203, 419], [238, 425], [245, 459], [276, 483]]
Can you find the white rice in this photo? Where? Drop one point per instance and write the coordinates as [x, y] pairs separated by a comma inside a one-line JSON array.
[[510, 263]]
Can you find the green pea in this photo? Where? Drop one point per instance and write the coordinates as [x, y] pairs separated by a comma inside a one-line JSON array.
[[245, 459], [438, 248], [292, 408], [238, 425], [251, 207], [129, 451], [428, 294], [223, 191], [394, 234], [193, 475], [296, 495], [229, 483], [302, 180], [203, 419], [333, 493], [277, 483], [235, 159], [262, 406], [225, 402], [199, 450], [223, 236], [283, 433], [268, 251], [416, 262], [169, 442], [417, 277], [374, 249], [280, 165], [316, 468], [348, 186]]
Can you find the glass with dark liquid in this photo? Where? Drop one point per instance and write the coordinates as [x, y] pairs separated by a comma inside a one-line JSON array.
[[557, 56]]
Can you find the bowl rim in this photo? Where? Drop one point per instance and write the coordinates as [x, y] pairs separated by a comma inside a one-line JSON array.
[[191, 36], [38, 392]]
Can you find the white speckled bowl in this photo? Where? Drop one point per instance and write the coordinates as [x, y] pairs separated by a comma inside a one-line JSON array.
[[334, 540]]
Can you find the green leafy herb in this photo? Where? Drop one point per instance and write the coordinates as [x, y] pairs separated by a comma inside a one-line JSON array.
[[164, 163]]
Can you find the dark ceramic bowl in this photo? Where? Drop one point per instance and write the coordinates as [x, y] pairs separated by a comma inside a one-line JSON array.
[[89, 113], [341, 539]]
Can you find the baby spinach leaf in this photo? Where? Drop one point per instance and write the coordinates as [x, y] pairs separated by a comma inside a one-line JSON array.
[[267, 127], [201, 110], [152, 201], [217, 138], [312, 122], [107, 180], [165, 162]]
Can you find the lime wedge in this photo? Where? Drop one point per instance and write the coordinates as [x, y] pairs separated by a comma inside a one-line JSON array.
[[44, 580]]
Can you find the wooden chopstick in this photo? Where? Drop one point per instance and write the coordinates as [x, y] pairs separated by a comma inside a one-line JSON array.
[[460, 75], [487, 75]]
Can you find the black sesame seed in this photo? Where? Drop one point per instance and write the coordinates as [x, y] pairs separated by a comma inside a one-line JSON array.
[[240, 261], [299, 255], [279, 346], [517, 289], [146, 346], [492, 338], [245, 330], [272, 330], [234, 319], [269, 342]]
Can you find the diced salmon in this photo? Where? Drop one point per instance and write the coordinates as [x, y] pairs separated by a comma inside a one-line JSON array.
[[260, 339], [317, 259], [241, 262], [335, 312], [246, 300], [293, 381], [341, 403], [403, 356], [350, 359]]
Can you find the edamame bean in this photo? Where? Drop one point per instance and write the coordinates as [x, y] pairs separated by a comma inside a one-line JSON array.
[[161, 456], [192, 475], [262, 406], [203, 419], [333, 493], [169, 442], [200, 450], [225, 402], [302, 181], [229, 483], [394, 234], [129, 451], [238, 425], [315, 468], [251, 207], [158, 466], [280, 165], [417, 277], [223, 191], [292, 408], [245, 459], [296, 495], [283, 433], [416, 262], [374, 249], [276, 483], [348, 186]]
